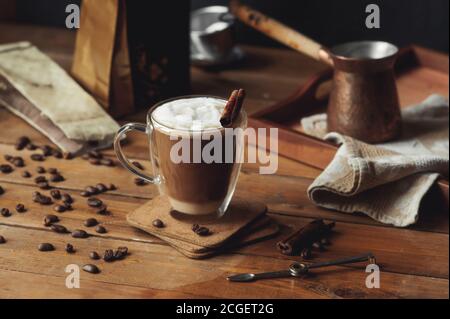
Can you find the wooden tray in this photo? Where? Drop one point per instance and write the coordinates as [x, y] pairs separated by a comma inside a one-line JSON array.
[[420, 72]]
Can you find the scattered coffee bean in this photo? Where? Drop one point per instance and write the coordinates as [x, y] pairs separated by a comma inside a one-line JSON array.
[[66, 198], [101, 187], [306, 254], [8, 158], [112, 187], [158, 223], [40, 170], [2, 240], [50, 220], [26, 174], [60, 229], [56, 178], [94, 202], [37, 157], [40, 179], [22, 142], [94, 161], [43, 185], [79, 233], [319, 246], [46, 150], [101, 229], [201, 230], [93, 269], [121, 253], [20, 208], [42, 199], [18, 162], [94, 255], [6, 169], [107, 162], [5, 212], [67, 205], [95, 154], [59, 208], [31, 147], [103, 210], [109, 255], [57, 153], [85, 194], [68, 156], [138, 165], [2, 191], [91, 190], [56, 194], [46, 247], [70, 249], [90, 222], [52, 171], [140, 182]]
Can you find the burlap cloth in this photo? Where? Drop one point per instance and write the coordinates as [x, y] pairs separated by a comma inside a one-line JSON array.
[[387, 181]]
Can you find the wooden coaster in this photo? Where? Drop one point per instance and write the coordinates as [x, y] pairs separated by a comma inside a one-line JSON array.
[[240, 214]]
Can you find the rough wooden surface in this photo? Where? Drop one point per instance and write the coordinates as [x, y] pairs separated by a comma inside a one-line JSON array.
[[414, 261]]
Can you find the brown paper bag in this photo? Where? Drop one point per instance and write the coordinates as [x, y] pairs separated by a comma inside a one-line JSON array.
[[131, 54]]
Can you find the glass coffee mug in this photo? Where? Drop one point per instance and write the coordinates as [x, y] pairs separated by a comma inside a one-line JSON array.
[[195, 167]]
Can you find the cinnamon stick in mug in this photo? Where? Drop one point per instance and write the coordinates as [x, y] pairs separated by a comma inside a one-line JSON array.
[[232, 108]]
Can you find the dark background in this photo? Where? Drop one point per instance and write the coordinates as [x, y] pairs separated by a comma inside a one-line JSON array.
[[330, 22]]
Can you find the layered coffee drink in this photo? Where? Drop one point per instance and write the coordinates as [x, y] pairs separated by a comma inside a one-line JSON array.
[[194, 155]]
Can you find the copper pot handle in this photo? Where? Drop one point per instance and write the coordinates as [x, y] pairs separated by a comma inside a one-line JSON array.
[[280, 32]]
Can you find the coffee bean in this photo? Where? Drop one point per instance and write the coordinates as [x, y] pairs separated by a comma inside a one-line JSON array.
[[22, 142], [67, 205], [40, 170], [26, 174], [37, 157], [200, 230], [101, 187], [306, 254], [68, 156], [52, 171], [56, 194], [50, 219], [101, 229], [46, 150], [319, 246], [59, 208], [56, 178], [46, 247], [6, 169], [90, 222], [40, 179], [42, 199], [109, 255], [93, 269], [31, 147], [5, 212], [121, 253], [60, 229], [94, 202], [158, 223], [79, 233], [66, 198], [112, 187], [18, 162], [43, 185], [94, 161], [57, 153], [2, 240], [91, 190], [140, 182], [94, 255], [2, 191], [8, 158], [107, 162], [20, 208], [85, 194], [103, 210], [138, 165], [70, 249]]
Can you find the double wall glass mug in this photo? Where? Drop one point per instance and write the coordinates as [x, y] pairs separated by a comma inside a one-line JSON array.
[[196, 168]]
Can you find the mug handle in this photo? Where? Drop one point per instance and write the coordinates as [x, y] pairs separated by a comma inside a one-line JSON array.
[[123, 159]]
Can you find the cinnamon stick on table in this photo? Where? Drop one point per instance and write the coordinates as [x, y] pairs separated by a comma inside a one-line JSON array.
[[232, 108]]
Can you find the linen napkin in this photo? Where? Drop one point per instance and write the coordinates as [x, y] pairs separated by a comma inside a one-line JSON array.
[[42, 93], [387, 181]]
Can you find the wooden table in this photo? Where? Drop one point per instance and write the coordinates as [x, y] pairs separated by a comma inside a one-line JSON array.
[[414, 261]]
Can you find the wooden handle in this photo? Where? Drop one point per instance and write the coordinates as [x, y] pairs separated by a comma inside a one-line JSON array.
[[280, 32]]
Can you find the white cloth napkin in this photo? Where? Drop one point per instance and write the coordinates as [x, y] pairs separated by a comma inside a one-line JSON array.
[[387, 181]]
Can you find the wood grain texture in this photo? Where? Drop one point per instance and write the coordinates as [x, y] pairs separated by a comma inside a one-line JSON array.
[[414, 261]]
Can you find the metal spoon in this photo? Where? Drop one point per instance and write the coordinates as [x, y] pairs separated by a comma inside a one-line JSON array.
[[298, 269]]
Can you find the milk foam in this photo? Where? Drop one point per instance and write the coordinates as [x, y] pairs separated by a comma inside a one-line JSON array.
[[196, 113]]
